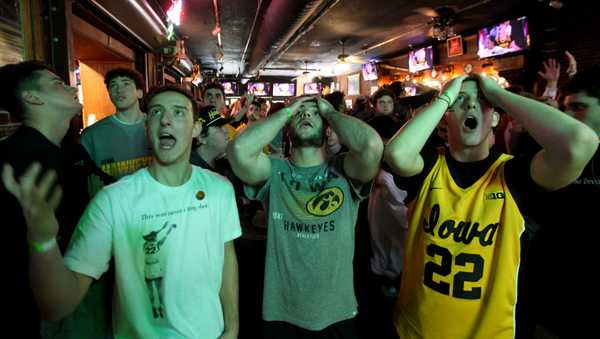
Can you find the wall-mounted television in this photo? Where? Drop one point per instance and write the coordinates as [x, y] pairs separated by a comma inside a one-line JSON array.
[[312, 88], [510, 36], [420, 59], [369, 71], [259, 89], [284, 89], [230, 87]]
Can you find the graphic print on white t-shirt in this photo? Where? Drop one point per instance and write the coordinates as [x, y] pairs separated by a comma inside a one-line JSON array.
[[153, 271]]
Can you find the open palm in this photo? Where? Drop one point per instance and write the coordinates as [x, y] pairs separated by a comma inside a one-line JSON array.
[[38, 198]]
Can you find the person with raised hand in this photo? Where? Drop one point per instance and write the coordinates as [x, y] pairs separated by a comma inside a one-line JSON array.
[[467, 214], [169, 228]]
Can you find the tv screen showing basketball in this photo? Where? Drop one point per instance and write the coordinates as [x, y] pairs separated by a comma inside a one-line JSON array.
[[507, 37], [420, 59]]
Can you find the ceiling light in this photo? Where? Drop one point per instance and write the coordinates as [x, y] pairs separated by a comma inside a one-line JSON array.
[[557, 4], [174, 12]]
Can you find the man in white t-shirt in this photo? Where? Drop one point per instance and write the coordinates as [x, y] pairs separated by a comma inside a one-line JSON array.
[[169, 228]]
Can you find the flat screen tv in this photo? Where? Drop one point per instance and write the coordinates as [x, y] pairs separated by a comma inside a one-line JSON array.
[[369, 71], [420, 59], [510, 36], [230, 87], [259, 89], [312, 88], [284, 89]]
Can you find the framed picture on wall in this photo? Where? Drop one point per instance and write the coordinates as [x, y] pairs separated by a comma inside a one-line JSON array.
[[354, 84], [454, 46]]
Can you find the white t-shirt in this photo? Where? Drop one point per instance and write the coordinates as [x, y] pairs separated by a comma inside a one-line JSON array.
[[168, 248], [388, 224]]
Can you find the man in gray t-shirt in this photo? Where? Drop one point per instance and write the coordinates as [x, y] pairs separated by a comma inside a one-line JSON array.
[[118, 143], [312, 205]]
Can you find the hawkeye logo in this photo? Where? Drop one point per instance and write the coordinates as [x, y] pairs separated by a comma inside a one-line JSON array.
[[327, 202]]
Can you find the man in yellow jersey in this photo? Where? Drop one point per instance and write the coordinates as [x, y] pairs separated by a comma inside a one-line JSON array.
[[467, 217]]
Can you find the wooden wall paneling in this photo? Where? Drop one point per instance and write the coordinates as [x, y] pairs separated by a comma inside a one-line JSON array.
[[33, 27]]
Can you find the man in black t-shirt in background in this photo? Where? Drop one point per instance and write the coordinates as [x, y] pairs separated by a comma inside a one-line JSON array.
[[564, 252], [36, 96]]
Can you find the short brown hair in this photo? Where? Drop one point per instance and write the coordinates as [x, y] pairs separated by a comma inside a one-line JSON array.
[[169, 88], [125, 73]]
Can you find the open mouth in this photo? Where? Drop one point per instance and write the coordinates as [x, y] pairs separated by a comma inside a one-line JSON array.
[[471, 123], [305, 123], [166, 141]]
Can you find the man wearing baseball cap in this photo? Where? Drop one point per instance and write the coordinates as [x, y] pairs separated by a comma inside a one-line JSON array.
[[210, 145]]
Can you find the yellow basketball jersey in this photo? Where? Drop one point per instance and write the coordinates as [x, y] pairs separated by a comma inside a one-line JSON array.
[[462, 258]]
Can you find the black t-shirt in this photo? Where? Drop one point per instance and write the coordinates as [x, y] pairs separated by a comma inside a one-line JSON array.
[[20, 150], [25, 146], [564, 254]]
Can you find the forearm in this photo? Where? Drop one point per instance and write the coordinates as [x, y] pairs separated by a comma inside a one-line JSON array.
[[259, 134], [411, 138], [353, 133], [229, 294], [559, 134], [56, 288], [551, 89]]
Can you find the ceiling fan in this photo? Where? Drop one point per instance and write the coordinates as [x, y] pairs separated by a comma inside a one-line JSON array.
[[442, 19], [305, 71], [344, 58]]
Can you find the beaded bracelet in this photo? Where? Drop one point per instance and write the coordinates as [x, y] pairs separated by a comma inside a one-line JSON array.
[[445, 98]]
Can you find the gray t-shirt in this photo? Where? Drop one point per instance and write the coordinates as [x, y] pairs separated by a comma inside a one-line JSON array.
[[116, 147], [311, 212]]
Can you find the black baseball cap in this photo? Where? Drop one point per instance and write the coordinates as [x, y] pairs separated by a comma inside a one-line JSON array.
[[209, 116]]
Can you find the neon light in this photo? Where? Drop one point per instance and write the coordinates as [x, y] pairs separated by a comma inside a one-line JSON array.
[[174, 12]]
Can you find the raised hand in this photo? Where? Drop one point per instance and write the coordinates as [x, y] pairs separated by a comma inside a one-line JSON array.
[[572, 68], [551, 71], [38, 200]]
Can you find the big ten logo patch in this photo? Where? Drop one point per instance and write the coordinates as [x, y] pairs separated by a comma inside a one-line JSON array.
[[326, 202], [494, 196]]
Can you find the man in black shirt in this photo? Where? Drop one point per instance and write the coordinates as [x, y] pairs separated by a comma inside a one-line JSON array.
[[45, 105], [564, 252]]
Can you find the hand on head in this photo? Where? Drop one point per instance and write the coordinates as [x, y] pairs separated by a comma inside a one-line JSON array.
[[452, 87], [325, 107], [488, 87], [295, 106]]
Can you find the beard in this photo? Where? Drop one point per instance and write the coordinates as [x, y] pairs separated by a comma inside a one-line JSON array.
[[314, 140]]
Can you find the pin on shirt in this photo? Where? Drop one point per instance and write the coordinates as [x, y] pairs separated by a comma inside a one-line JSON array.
[[200, 195]]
